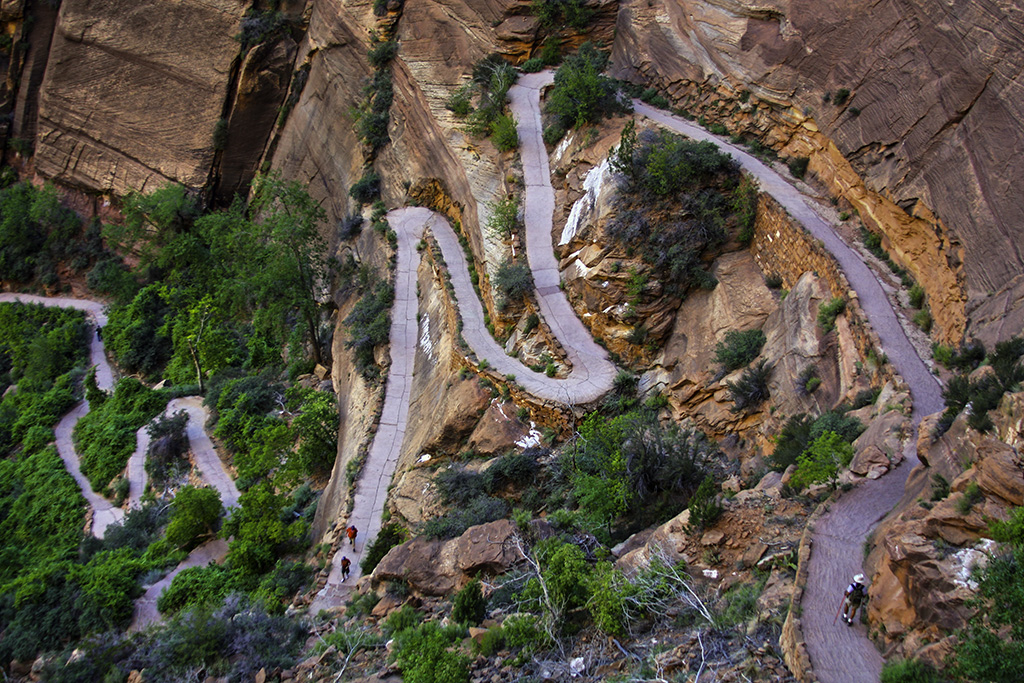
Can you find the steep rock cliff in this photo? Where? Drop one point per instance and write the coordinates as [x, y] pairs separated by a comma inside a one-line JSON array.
[[132, 93], [922, 144]]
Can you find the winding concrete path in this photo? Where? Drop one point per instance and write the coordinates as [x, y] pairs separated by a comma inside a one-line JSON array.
[[840, 654], [104, 513], [205, 457], [592, 373]]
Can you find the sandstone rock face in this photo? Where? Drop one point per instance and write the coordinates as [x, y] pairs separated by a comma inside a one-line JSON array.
[[925, 552], [914, 147], [132, 92], [436, 567]]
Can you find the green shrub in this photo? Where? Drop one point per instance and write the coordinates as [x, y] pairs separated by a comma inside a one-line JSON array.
[[916, 296], [459, 102], [703, 506], [532, 65], [822, 460], [168, 445], [105, 438], [480, 510], [387, 538], [841, 96], [196, 587], [908, 671], [553, 14], [972, 495], [923, 319], [751, 389], [402, 619], [791, 442], [195, 515], [940, 487], [369, 324], [581, 94], [554, 133], [367, 188], [424, 655], [514, 281], [798, 166], [469, 606], [504, 216], [504, 133], [827, 313], [739, 604], [381, 54], [738, 349]]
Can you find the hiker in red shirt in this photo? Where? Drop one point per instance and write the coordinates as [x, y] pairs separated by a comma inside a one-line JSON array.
[[351, 533]]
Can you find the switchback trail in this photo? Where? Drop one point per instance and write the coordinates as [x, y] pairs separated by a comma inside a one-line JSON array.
[[104, 513], [592, 373], [840, 654]]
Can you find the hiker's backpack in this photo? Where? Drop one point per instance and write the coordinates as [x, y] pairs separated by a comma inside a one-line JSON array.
[[856, 593]]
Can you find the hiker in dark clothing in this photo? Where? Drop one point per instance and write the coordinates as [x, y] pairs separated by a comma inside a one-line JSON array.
[[855, 594], [346, 566]]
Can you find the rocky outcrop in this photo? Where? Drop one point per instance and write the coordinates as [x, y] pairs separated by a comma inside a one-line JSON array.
[[912, 146], [438, 567], [132, 93], [925, 553]]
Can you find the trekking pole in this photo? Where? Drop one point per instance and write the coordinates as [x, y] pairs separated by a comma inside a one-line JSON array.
[[836, 617]]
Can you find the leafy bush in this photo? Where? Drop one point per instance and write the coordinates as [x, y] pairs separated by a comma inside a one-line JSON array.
[[196, 515], [738, 349], [514, 281], [744, 206], [514, 468], [923, 319], [822, 460], [798, 166], [460, 102], [908, 671], [387, 538], [553, 14], [532, 65], [469, 606], [661, 175], [841, 96], [316, 426], [196, 587], [504, 216], [369, 324], [827, 313], [137, 334], [634, 465], [261, 532], [791, 442], [167, 446], [504, 133], [367, 188], [581, 94], [424, 654], [751, 389], [916, 295], [105, 437], [703, 506], [739, 604], [481, 510], [381, 54]]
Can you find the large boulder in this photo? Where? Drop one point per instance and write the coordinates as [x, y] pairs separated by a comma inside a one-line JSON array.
[[439, 567]]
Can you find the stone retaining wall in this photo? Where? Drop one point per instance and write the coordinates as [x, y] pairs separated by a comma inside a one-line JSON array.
[[783, 248]]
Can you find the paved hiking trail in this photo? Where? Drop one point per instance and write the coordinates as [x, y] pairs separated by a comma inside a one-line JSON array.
[[104, 513], [840, 654], [592, 373]]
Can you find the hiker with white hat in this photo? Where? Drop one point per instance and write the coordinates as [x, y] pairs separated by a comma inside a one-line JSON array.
[[855, 594]]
